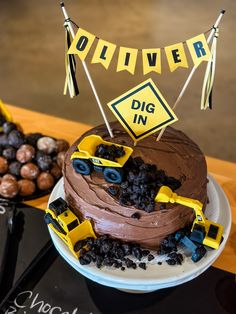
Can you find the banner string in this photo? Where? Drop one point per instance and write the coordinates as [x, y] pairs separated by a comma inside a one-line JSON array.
[[139, 49]]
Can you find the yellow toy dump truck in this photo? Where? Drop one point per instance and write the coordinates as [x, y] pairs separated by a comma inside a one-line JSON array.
[[84, 160], [5, 114], [67, 226], [203, 231]]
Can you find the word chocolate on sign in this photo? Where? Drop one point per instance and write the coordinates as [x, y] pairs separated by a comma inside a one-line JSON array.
[[35, 306], [142, 110], [151, 58]]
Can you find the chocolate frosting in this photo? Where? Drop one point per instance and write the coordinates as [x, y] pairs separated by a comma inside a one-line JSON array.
[[176, 154]]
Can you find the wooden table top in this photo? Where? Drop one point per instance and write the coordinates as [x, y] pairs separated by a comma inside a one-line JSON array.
[[224, 172]]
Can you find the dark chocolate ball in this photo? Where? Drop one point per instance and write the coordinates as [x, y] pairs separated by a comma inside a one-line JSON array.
[[4, 140], [33, 138], [26, 187], [25, 153], [8, 188], [56, 171], [47, 145], [14, 168], [44, 161], [61, 145], [61, 159], [29, 171], [45, 181], [16, 138], [3, 165], [8, 127], [9, 153]]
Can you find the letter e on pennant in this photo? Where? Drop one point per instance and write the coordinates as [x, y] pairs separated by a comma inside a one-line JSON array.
[[176, 56]]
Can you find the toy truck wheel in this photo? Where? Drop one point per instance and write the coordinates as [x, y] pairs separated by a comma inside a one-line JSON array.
[[198, 254], [48, 219], [113, 175], [82, 166]]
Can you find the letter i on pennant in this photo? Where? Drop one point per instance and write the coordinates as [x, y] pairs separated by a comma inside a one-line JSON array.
[[82, 43], [198, 49], [104, 53], [127, 59]]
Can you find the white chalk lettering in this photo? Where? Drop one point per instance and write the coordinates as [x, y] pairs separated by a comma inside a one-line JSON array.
[[38, 305], [55, 308], [17, 304], [46, 308], [33, 304], [11, 310]]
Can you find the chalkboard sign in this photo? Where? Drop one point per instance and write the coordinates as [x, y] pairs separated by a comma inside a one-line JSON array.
[[53, 287]]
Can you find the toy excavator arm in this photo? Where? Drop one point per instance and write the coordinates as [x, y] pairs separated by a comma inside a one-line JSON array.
[[166, 195]]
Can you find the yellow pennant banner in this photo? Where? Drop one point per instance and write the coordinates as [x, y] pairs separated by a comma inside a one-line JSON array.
[[82, 43], [127, 59], [176, 56], [142, 110], [151, 58], [198, 49], [104, 53]]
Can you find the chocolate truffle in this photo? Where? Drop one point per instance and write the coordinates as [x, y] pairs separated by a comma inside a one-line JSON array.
[[16, 138], [45, 181], [4, 140], [8, 188], [9, 153], [26, 187], [29, 171], [60, 159], [14, 168], [3, 165], [33, 138], [62, 146], [25, 153], [47, 145], [56, 171], [8, 127], [44, 161], [9, 177]]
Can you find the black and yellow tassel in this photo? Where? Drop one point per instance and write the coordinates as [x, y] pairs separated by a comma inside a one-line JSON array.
[[70, 65], [206, 100]]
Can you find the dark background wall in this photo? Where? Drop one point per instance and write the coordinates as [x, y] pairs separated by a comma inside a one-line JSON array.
[[32, 60]]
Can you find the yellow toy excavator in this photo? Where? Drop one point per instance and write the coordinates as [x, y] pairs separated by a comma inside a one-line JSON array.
[[203, 231]]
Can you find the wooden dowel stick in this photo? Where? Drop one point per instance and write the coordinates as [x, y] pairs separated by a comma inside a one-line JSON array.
[[192, 72], [87, 73]]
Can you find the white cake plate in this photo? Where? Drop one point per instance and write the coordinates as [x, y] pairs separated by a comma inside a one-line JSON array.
[[155, 276]]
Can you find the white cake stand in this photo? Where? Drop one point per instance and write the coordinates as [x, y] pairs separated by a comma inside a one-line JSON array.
[[155, 276]]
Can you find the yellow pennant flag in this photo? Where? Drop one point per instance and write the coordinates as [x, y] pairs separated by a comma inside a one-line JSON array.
[[127, 59], [199, 49], [104, 53], [151, 60], [82, 43], [176, 56]]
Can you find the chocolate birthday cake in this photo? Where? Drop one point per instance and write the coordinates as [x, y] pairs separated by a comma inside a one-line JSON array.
[[127, 211]]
